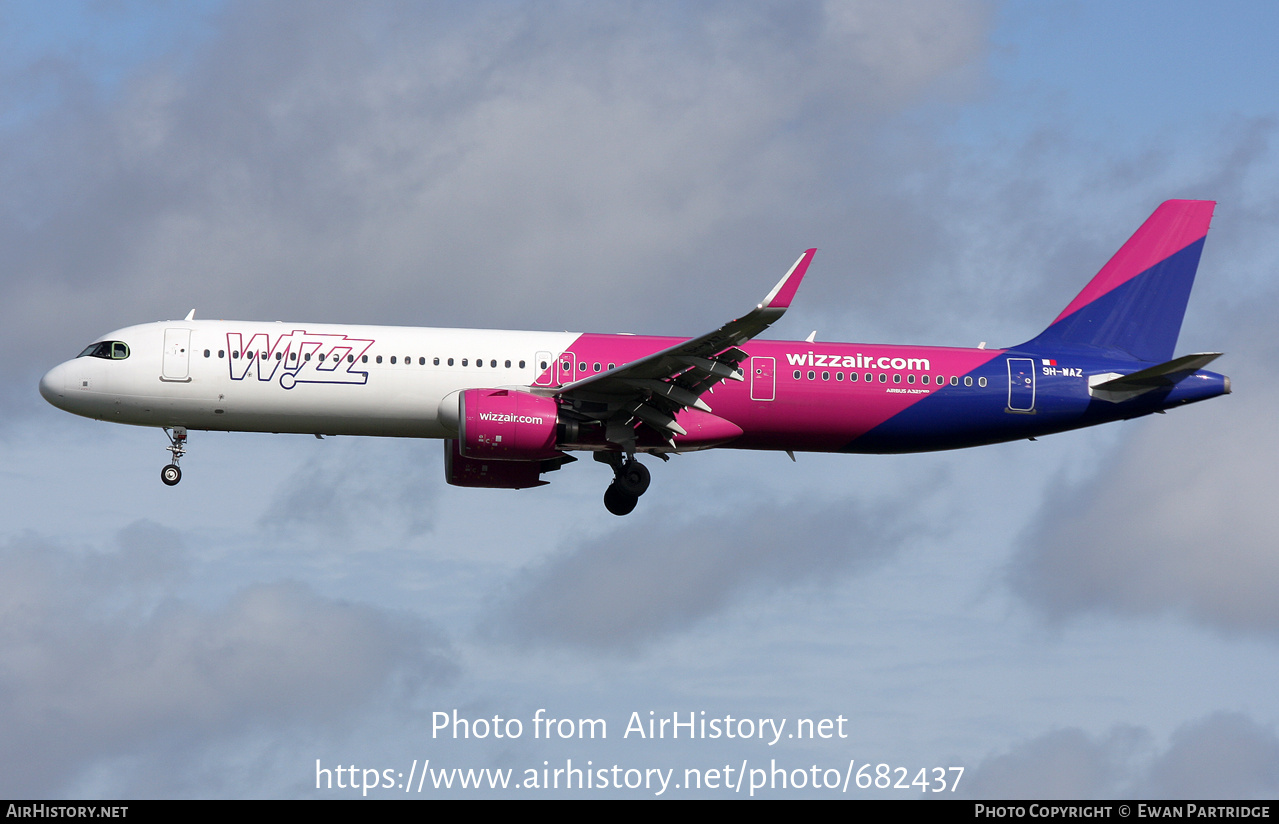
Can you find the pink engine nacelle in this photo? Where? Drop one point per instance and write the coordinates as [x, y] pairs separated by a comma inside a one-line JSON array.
[[506, 425], [505, 439], [488, 473]]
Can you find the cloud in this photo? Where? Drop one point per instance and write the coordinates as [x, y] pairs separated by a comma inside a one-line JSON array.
[[97, 660], [354, 485], [1179, 519], [1224, 755], [1060, 764], [492, 165], [630, 586]]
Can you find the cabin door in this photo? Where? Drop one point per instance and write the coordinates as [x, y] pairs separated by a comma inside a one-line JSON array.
[[1021, 385], [544, 368], [763, 380], [176, 365]]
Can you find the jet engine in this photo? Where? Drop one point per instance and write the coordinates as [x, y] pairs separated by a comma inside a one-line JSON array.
[[506, 425], [505, 439]]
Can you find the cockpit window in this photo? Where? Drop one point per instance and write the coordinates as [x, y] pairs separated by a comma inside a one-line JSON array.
[[107, 349]]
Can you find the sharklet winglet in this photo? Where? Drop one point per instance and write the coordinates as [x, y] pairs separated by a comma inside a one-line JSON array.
[[784, 291]]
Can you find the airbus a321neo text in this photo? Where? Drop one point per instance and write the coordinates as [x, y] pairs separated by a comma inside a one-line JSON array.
[[512, 406]]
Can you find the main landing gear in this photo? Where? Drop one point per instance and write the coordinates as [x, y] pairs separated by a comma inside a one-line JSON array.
[[630, 481], [171, 474]]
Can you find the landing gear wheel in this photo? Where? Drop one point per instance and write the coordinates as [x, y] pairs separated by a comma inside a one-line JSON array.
[[633, 478], [619, 501], [177, 447]]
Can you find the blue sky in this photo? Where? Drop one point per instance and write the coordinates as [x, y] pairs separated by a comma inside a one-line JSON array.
[[1089, 615], [1132, 67]]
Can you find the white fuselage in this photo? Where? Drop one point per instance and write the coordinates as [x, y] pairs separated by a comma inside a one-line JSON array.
[[310, 378]]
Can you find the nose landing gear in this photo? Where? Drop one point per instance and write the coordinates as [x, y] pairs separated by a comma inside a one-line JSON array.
[[630, 480], [171, 474]]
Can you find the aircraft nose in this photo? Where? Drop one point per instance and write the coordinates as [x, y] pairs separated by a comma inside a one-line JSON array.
[[53, 385]]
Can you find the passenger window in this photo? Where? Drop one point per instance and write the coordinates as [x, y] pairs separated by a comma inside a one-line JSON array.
[[421, 361], [981, 382], [968, 381], [221, 353], [796, 374], [897, 378], [435, 361], [207, 353]]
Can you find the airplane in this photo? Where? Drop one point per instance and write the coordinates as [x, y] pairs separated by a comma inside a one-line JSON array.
[[510, 406]]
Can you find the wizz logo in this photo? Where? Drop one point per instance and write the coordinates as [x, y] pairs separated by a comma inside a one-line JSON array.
[[297, 357]]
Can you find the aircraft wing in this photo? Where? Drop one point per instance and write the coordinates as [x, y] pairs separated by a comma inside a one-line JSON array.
[[650, 390]]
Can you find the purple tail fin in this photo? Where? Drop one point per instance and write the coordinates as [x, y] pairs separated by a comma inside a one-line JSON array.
[[1135, 304]]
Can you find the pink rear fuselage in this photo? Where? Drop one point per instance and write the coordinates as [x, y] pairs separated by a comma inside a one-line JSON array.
[[806, 396]]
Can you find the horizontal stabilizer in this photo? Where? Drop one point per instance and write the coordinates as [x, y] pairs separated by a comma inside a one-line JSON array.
[[1114, 387]]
